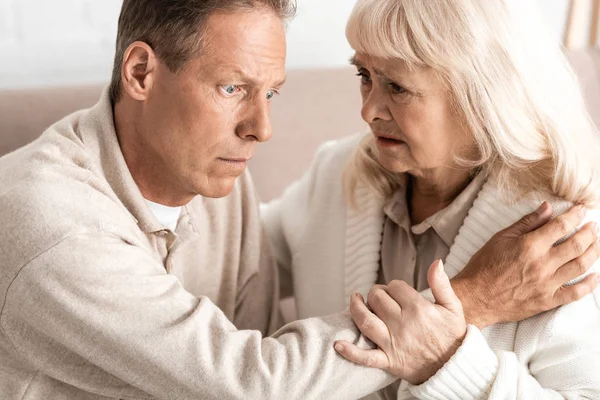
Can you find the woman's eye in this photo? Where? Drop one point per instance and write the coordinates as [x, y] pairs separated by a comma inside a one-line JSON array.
[[271, 94], [231, 89], [396, 89], [364, 78]]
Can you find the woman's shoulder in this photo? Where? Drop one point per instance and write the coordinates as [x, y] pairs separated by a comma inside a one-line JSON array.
[[337, 152]]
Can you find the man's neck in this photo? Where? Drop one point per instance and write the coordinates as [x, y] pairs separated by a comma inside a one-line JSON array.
[[145, 166]]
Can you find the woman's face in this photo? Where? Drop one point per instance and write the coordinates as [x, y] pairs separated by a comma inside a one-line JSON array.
[[411, 116]]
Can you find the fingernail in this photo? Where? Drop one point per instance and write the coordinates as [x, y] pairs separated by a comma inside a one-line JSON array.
[[441, 271], [541, 208], [597, 228], [339, 348], [582, 211], [598, 279]]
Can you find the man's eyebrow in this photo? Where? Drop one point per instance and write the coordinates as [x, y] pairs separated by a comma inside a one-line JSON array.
[[280, 83], [239, 74]]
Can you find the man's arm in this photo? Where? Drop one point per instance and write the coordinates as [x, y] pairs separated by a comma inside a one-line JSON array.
[[520, 272], [102, 315]]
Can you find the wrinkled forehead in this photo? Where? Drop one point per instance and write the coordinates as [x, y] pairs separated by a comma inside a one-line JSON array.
[[251, 45]]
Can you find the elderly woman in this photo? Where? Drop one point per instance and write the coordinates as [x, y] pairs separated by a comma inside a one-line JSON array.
[[473, 123]]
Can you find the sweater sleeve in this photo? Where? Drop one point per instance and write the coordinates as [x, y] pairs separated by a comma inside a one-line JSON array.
[[563, 361], [102, 315]]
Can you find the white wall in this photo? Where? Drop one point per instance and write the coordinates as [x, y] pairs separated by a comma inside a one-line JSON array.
[[52, 42]]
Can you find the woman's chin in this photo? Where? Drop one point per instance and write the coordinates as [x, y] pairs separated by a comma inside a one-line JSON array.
[[394, 165]]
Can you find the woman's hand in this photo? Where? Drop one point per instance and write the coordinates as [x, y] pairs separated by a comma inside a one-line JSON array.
[[520, 272], [415, 337]]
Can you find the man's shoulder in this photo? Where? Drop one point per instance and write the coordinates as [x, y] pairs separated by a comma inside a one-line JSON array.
[[49, 191]]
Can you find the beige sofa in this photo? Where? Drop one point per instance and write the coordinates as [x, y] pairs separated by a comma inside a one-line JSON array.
[[315, 106]]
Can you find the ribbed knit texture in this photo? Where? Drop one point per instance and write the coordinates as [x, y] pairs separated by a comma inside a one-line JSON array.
[[488, 216], [363, 242], [468, 374]]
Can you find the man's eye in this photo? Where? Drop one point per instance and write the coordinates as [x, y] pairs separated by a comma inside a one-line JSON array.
[[271, 94], [231, 89]]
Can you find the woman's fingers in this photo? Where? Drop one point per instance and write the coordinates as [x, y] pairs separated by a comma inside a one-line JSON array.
[[368, 323], [405, 295], [442, 289], [382, 304], [367, 358]]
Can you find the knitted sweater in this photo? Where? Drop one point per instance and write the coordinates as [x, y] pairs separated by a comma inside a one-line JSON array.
[[333, 250]]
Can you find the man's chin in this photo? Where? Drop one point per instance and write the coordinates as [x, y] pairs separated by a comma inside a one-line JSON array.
[[217, 190]]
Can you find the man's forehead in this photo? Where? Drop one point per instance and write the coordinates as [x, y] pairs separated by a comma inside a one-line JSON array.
[[255, 74]]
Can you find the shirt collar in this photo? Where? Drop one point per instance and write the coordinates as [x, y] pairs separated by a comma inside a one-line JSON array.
[[446, 222], [97, 132]]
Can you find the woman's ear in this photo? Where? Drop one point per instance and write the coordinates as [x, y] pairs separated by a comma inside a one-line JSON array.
[[138, 70]]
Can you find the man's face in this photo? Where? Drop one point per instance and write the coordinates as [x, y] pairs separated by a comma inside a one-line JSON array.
[[201, 124]]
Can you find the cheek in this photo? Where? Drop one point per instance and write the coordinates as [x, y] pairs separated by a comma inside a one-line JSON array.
[[431, 140]]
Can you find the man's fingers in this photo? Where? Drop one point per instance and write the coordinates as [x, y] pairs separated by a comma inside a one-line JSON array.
[[442, 290], [574, 247], [569, 294], [529, 222], [579, 265], [368, 358], [368, 323], [559, 227]]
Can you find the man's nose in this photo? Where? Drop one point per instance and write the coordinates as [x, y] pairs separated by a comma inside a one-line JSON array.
[[257, 126]]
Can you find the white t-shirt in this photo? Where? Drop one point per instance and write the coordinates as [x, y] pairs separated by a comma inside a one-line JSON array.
[[167, 216]]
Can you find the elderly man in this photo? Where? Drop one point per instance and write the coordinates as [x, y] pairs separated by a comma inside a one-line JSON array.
[[133, 250]]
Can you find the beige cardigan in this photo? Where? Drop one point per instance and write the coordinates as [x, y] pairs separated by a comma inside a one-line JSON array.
[[98, 300], [332, 250]]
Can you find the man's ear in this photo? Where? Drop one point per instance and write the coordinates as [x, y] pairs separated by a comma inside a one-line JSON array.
[[139, 70]]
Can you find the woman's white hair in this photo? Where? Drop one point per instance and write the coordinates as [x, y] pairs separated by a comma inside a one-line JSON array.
[[508, 80]]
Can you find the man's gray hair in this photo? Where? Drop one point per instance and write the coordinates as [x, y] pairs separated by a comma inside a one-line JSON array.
[[174, 28]]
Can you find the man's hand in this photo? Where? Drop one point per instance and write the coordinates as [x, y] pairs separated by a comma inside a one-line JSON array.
[[415, 337], [520, 272]]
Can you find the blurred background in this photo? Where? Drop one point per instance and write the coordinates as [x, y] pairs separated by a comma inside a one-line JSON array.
[[64, 42], [56, 56]]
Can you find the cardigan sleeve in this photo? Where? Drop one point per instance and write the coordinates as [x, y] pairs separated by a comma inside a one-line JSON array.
[[564, 364], [559, 358]]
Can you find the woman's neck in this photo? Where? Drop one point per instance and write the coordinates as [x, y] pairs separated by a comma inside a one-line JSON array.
[[430, 193]]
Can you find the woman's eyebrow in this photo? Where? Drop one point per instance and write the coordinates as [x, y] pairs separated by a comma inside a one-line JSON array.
[[355, 62]]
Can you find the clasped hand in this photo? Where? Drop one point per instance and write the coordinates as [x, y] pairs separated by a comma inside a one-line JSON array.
[[415, 338]]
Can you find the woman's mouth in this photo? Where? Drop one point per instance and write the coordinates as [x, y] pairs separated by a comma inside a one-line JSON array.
[[388, 142]]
